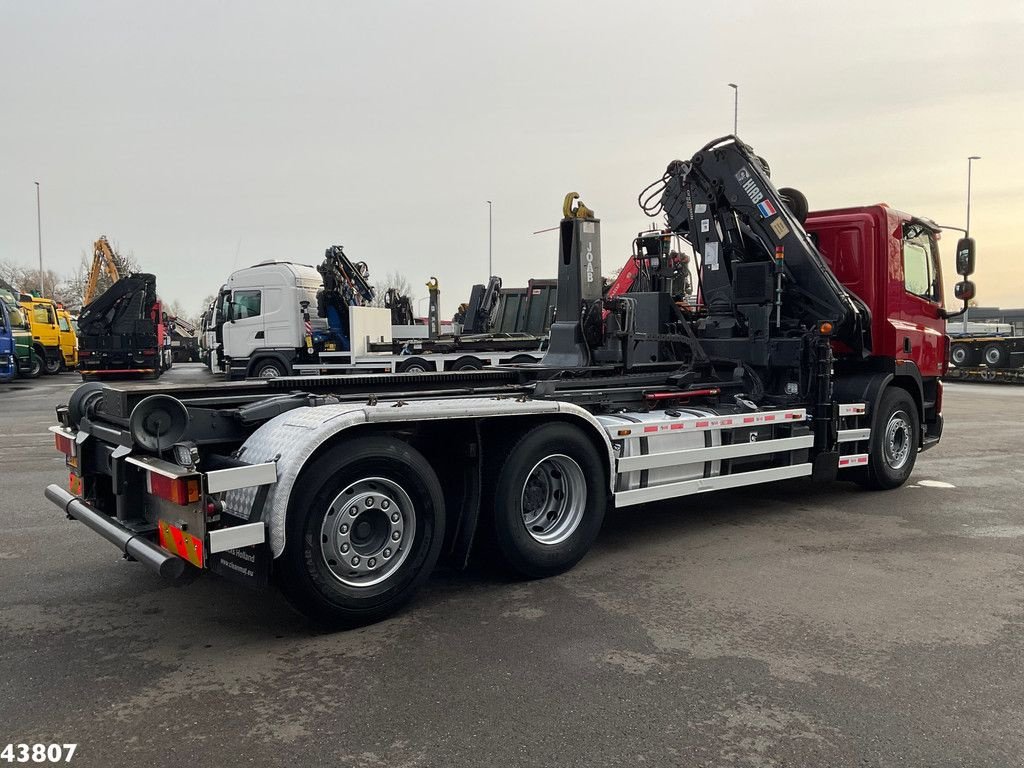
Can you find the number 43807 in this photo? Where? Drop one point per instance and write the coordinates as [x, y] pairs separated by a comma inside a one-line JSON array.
[[38, 753]]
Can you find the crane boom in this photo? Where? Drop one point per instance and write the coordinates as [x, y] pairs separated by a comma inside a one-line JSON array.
[[103, 260]]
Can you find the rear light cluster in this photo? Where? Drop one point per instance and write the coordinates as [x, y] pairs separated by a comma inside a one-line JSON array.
[[179, 490], [64, 444]]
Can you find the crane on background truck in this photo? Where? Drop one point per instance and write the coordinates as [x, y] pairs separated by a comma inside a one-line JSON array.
[[814, 350], [104, 261]]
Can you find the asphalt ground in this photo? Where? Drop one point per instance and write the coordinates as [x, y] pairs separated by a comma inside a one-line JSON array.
[[786, 625]]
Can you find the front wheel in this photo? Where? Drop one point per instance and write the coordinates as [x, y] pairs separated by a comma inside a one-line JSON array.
[[35, 367], [895, 440], [549, 500], [364, 531], [268, 369], [52, 365]]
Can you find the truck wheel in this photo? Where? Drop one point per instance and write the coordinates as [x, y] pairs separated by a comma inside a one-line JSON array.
[[960, 354], [995, 356], [51, 365], [521, 359], [413, 365], [364, 531], [268, 369], [894, 441], [35, 366], [549, 500], [467, 363]]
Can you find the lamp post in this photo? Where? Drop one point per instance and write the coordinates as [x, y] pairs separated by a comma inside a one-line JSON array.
[[39, 232], [970, 160], [735, 107], [490, 239], [967, 231]]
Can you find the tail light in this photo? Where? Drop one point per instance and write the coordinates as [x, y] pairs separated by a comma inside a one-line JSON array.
[[179, 490], [64, 444]]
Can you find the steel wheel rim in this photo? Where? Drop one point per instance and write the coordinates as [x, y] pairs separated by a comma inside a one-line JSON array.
[[554, 499], [959, 356], [269, 372], [897, 440], [368, 532], [992, 356]]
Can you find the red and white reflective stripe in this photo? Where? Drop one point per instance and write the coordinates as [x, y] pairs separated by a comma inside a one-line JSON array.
[[309, 328], [856, 460], [852, 409], [696, 424]]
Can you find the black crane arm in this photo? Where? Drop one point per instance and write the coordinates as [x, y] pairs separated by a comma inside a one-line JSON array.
[[724, 204]]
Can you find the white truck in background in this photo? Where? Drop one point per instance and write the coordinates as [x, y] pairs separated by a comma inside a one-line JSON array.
[[264, 310]]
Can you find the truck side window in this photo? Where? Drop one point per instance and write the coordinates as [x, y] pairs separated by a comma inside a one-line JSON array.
[[920, 276], [63, 323], [42, 314], [247, 304]]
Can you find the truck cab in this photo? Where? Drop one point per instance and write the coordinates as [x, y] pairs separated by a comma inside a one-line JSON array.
[[890, 260], [68, 338], [263, 330], [45, 326], [18, 332]]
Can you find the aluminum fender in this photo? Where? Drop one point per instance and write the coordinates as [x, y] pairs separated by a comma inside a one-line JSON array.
[[293, 437]]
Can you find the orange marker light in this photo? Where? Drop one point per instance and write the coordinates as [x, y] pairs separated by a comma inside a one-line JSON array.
[[825, 328]]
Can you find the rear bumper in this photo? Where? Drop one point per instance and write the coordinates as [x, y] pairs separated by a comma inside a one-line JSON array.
[[128, 541]]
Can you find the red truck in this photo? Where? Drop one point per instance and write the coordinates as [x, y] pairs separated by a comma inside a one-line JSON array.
[[815, 350]]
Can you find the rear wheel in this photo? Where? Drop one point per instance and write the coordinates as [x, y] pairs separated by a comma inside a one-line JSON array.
[[895, 440], [413, 365], [961, 355], [364, 531], [995, 356], [549, 500], [467, 363]]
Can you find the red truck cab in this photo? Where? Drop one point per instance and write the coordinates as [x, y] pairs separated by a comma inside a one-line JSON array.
[[890, 261]]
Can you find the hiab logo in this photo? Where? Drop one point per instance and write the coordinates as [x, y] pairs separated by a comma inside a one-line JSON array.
[[749, 186]]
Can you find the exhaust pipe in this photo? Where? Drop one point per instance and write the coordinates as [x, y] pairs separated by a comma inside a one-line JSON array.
[[130, 543]]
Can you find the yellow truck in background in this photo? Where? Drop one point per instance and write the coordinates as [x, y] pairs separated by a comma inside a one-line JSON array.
[[53, 333]]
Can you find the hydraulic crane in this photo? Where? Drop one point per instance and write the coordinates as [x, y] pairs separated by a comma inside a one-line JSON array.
[[346, 284], [104, 260]]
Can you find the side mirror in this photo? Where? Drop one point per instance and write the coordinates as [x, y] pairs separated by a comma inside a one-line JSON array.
[[964, 290], [965, 256]]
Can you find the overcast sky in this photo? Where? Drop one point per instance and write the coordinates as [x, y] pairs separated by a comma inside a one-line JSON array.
[[205, 137]]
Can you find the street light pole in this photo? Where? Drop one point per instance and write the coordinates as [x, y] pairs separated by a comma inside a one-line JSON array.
[[967, 231], [970, 159], [735, 108], [490, 239], [39, 228]]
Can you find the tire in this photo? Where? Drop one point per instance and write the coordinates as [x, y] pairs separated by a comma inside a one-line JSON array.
[[35, 366], [960, 355], [52, 366], [467, 363], [414, 365], [549, 500], [895, 440], [995, 356], [521, 359], [391, 474], [268, 368]]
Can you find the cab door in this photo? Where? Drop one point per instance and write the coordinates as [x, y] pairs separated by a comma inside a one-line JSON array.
[[920, 328], [245, 330]]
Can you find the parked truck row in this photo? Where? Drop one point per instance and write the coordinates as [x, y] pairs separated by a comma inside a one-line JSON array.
[[814, 347]]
